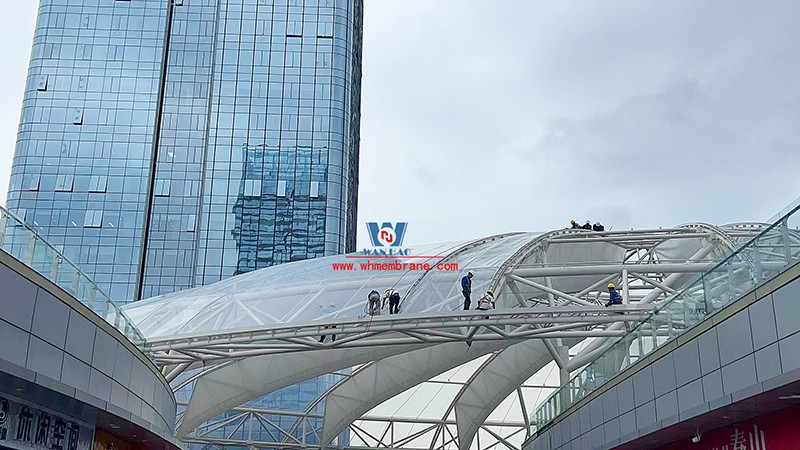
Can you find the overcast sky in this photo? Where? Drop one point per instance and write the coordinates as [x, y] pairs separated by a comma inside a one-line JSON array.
[[479, 119]]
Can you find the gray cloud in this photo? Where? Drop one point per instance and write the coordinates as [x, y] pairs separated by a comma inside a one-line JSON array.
[[484, 117], [524, 116]]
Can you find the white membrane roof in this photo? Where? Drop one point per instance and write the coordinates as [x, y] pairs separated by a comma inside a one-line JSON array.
[[494, 381]]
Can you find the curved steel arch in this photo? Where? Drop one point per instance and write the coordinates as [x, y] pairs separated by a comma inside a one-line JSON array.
[[524, 252], [450, 256]]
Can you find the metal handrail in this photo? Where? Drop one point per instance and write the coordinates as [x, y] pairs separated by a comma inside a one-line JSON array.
[[723, 282], [29, 247]]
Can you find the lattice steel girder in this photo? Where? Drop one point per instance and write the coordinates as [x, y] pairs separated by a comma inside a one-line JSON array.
[[388, 440], [641, 239], [283, 445], [539, 272], [396, 330], [671, 268], [290, 442]]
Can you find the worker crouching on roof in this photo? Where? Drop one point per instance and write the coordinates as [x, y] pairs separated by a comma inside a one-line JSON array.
[[393, 297], [613, 296], [486, 302]]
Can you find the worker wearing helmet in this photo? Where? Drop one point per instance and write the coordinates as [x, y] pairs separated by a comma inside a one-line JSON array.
[[486, 302], [466, 289], [574, 224], [613, 296]]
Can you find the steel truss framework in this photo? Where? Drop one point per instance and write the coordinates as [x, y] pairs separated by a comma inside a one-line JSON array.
[[469, 326], [550, 293], [370, 432]]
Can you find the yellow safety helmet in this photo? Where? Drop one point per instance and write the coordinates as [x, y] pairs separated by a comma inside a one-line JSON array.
[[611, 285]]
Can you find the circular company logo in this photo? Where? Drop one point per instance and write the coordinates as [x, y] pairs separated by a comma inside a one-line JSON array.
[[3, 410], [387, 236]]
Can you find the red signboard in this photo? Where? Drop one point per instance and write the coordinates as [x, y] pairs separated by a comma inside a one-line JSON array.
[[775, 431]]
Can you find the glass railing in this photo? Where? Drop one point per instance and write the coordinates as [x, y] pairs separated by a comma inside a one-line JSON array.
[[25, 244], [753, 263]]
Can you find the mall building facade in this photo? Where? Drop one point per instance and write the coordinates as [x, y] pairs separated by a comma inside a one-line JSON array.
[[170, 144]]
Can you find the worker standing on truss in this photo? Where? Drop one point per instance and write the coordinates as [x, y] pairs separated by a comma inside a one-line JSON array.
[[466, 289]]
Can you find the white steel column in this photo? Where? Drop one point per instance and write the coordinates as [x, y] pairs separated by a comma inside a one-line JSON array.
[[563, 373], [593, 349], [551, 299], [626, 293]]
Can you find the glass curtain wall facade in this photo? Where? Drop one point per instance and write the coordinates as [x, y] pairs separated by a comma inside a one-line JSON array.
[[81, 172], [169, 144]]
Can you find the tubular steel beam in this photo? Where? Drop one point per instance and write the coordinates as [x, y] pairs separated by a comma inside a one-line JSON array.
[[390, 323], [551, 291], [540, 272], [462, 326], [541, 333], [568, 239]]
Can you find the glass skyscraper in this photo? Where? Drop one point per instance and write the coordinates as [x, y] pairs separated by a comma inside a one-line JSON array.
[[166, 144]]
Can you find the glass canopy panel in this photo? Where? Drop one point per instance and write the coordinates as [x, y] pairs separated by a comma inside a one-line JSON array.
[[297, 292], [440, 290]]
